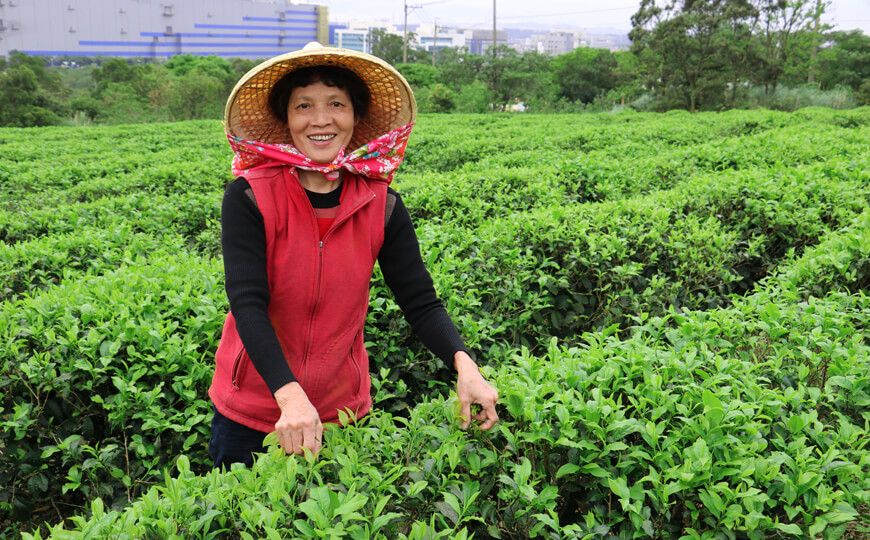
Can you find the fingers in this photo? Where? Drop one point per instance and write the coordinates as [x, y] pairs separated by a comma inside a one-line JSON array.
[[312, 439], [297, 434], [318, 438], [295, 437], [490, 417], [465, 412], [473, 388]]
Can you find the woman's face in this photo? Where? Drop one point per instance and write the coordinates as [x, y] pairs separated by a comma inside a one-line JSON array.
[[321, 120]]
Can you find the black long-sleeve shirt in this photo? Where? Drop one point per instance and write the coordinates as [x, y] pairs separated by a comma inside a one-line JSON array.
[[243, 238]]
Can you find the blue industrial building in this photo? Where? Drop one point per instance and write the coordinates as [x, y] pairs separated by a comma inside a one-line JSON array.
[[154, 28]]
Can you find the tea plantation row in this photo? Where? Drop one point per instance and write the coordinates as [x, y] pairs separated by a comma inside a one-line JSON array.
[[673, 308]]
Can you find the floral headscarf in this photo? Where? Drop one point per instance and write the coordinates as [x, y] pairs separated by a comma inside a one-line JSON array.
[[377, 160]]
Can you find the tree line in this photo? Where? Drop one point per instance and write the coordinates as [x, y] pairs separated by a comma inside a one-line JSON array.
[[685, 54]]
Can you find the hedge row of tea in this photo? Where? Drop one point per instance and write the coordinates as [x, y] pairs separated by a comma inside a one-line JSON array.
[[606, 254], [744, 421]]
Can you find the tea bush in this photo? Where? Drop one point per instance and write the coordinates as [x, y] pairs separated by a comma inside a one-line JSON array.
[[104, 379], [673, 306], [674, 431]]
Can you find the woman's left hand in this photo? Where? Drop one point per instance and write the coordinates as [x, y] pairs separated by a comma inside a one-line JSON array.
[[471, 387]]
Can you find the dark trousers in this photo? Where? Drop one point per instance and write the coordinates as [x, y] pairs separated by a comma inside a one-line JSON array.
[[232, 442]]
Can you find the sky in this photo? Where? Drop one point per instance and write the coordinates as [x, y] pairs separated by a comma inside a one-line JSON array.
[[586, 14]]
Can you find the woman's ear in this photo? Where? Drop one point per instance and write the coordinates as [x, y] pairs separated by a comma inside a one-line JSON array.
[[355, 120]]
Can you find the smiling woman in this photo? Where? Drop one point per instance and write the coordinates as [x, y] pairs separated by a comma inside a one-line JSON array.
[[302, 227]]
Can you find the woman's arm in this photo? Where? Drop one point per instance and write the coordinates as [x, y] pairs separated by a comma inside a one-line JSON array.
[[406, 275], [243, 238]]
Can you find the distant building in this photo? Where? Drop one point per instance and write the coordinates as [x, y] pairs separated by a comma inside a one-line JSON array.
[[358, 35], [427, 34], [563, 41], [480, 41], [159, 28]]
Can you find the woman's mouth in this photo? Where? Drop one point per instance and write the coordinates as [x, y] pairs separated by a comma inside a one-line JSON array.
[[321, 138]]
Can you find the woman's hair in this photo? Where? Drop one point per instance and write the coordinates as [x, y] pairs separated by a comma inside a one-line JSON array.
[[334, 76]]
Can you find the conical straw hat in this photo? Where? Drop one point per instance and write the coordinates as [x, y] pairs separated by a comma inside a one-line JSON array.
[[248, 115]]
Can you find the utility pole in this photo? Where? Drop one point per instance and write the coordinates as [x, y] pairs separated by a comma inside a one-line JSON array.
[[814, 54], [493, 29], [435, 43], [405, 40]]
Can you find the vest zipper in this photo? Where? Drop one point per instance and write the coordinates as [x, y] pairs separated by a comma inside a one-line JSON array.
[[313, 309], [318, 280]]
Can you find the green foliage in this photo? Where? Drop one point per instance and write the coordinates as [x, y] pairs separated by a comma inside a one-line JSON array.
[[441, 99], [198, 95], [585, 73], [846, 61], [29, 94], [798, 97], [686, 427], [390, 48], [696, 55], [418, 75], [678, 338], [688, 55], [511, 76], [458, 70]]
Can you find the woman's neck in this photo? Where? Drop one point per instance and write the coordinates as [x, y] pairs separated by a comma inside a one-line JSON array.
[[317, 182]]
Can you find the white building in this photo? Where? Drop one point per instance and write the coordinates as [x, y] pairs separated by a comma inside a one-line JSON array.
[[358, 35], [427, 34], [559, 42]]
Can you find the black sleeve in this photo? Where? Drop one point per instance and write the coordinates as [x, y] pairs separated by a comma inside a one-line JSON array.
[[406, 275], [243, 237]]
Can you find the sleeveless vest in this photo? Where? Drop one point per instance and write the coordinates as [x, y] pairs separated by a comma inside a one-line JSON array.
[[319, 296]]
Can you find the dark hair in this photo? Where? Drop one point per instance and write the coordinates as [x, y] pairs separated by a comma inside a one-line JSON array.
[[337, 77]]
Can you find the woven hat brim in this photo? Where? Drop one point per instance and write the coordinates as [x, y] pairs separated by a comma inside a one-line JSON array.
[[392, 105]]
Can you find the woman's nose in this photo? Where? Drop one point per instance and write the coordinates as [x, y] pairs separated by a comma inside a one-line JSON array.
[[321, 116]]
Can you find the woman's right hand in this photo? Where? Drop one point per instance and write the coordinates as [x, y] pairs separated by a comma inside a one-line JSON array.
[[299, 426]]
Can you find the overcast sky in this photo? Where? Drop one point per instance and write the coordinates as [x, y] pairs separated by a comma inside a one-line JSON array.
[[589, 14]]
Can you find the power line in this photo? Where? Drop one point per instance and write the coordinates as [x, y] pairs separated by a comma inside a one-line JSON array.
[[536, 15]]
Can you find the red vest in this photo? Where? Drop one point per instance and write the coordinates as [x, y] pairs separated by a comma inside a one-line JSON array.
[[319, 295]]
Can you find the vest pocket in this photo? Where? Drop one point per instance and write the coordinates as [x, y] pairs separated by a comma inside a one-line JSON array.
[[237, 368], [354, 360]]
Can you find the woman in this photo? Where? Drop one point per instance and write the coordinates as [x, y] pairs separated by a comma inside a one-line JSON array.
[[302, 227]]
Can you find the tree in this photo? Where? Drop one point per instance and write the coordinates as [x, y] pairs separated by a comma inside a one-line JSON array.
[[845, 60], [196, 95], [511, 76], [585, 73], [30, 95], [441, 99], [241, 66], [218, 69], [786, 35], [474, 98], [418, 75], [684, 46], [458, 69], [387, 47], [114, 70]]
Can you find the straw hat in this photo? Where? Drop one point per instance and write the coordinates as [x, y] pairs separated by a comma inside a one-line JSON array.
[[248, 115]]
